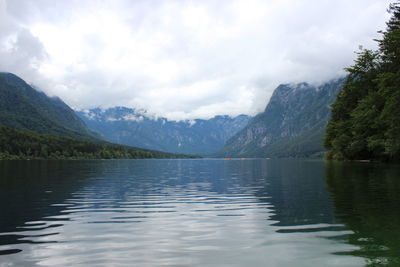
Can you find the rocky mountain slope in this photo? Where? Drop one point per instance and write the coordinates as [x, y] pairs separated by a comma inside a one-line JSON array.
[[292, 125]]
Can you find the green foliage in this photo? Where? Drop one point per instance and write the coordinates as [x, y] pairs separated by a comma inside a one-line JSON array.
[[365, 122], [20, 144]]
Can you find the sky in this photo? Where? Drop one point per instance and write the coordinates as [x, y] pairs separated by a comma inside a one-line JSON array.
[[182, 59]]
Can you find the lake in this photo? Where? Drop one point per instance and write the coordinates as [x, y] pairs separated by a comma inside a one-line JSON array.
[[199, 212]]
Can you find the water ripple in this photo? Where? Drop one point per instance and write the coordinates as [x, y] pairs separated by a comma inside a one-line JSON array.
[[169, 213]]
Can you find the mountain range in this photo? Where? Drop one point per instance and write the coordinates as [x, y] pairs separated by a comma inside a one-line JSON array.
[[138, 128], [292, 124], [35, 126]]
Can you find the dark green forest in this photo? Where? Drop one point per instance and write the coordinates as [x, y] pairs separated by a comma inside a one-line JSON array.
[[21, 144], [365, 121]]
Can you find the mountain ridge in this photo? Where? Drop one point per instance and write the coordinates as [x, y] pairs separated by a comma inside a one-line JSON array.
[[129, 126], [26, 108], [292, 124]]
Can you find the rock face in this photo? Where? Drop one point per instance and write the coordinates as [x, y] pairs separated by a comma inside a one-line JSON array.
[[137, 128], [292, 124], [24, 107]]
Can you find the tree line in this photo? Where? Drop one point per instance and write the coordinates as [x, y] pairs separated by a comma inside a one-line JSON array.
[[21, 144], [365, 120]]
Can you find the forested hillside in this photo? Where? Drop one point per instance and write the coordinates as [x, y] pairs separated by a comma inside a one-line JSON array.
[[365, 122], [35, 126], [23, 107]]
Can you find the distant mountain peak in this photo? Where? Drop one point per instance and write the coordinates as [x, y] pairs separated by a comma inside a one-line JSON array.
[[138, 128]]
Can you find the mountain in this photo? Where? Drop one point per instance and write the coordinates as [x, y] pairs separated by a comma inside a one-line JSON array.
[[35, 126], [292, 125], [23, 107], [137, 128]]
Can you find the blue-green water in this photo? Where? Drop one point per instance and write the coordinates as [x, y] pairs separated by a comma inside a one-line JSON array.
[[199, 213]]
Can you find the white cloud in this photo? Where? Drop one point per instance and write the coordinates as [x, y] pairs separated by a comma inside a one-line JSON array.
[[182, 59]]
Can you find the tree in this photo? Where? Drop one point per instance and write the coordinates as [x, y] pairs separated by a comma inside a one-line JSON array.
[[365, 121]]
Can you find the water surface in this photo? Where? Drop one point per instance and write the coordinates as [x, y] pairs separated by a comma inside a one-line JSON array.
[[198, 213]]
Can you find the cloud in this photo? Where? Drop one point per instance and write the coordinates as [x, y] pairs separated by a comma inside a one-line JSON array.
[[20, 51], [182, 59]]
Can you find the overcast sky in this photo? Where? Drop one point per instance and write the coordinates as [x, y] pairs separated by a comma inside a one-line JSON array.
[[182, 59]]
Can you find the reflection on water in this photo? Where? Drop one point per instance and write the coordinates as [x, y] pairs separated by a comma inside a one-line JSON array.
[[190, 213], [367, 200]]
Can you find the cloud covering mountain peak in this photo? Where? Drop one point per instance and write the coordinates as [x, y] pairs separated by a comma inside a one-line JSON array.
[[182, 59]]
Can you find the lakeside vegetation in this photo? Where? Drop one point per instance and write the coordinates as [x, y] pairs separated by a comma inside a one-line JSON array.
[[21, 144], [365, 122]]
